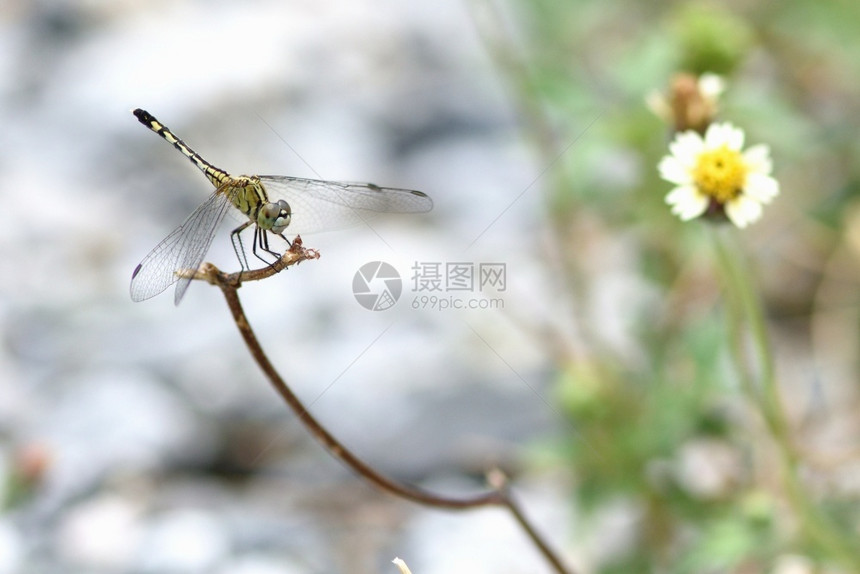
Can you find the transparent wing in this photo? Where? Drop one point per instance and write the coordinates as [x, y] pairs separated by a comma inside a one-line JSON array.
[[185, 248], [326, 205]]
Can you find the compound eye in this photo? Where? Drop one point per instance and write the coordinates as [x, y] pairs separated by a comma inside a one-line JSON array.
[[279, 214], [271, 211]]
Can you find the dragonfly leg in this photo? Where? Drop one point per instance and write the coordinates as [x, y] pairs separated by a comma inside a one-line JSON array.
[[262, 240], [238, 248]]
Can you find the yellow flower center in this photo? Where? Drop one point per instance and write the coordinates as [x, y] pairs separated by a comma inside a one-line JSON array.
[[720, 174]]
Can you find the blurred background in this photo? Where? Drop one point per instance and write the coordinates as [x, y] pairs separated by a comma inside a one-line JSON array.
[[140, 437]]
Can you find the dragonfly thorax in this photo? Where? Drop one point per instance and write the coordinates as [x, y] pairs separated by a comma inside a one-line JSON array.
[[274, 217], [249, 196]]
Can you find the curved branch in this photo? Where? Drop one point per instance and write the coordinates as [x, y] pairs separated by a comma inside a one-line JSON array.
[[500, 495]]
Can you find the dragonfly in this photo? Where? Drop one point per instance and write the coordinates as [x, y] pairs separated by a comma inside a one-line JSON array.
[[272, 204]]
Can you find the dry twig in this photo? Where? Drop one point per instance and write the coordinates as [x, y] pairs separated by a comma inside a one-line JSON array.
[[500, 493]]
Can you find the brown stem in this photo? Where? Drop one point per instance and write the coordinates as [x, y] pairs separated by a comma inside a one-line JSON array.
[[500, 495]]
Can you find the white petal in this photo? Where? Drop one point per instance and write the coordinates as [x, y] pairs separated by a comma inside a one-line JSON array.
[[743, 211], [715, 136], [724, 134], [687, 202], [761, 187], [735, 137], [680, 194], [711, 85], [686, 148], [695, 208], [674, 171], [757, 159]]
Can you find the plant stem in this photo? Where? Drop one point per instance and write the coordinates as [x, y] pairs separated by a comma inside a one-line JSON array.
[[746, 313]]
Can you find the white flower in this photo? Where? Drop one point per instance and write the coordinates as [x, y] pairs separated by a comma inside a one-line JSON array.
[[713, 174]]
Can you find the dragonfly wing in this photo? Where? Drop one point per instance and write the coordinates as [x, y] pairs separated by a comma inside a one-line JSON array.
[[199, 236], [326, 205], [184, 248]]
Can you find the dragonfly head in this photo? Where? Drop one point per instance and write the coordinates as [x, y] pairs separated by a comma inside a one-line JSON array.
[[275, 216]]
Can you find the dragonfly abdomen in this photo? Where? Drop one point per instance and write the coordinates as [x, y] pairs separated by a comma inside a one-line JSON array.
[[215, 175]]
